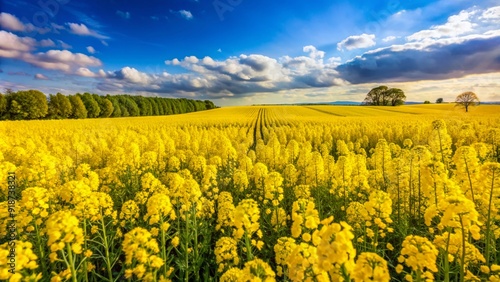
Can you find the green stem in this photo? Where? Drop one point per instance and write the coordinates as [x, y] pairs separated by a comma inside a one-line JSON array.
[[248, 247], [71, 263], [40, 249], [163, 248], [193, 213], [419, 276], [446, 261], [488, 222], [186, 250], [106, 249], [85, 247], [462, 266]]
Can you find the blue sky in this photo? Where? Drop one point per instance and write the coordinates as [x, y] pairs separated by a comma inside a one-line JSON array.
[[238, 52]]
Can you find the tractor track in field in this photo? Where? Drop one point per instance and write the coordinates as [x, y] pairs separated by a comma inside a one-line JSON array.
[[262, 123], [255, 129], [325, 112]]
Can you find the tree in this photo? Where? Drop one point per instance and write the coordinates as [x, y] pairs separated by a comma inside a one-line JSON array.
[[91, 105], [427, 102], [385, 96], [59, 106], [3, 105], [31, 104], [466, 100], [79, 110], [439, 100], [106, 108], [117, 111]]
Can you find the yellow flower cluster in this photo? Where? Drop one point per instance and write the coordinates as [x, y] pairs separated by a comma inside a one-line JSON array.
[[257, 270], [273, 188], [129, 213], [282, 250], [141, 256], [34, 207], [305, 219], [335, 250], [158, 209], [456, 212], [302, 191], [453, 244], [226, 253], [225, 210], [371, 267], [96, 206], [420, 255], [64, 234], [23, 260], [246, 223]]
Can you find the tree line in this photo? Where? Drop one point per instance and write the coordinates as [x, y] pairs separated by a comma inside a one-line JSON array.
[[33, 104]]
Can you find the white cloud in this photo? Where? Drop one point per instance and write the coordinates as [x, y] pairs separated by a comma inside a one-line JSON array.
[[492, 14], [357, 41], [85, 72], [235, 76], [63, 60], [40, 76], [47, 43], [186, 14], [389, 38], [13, 46], [313, 52], [123, 15], [90, 49], [81, 29], [456, 25], [12, 23]]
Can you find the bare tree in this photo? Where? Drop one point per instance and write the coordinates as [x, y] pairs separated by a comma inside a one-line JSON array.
[[466, 100]]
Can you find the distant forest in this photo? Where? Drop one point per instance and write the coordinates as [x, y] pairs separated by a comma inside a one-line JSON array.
[[33, 104]]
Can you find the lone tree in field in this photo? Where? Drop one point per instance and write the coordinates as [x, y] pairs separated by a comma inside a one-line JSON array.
[[439, 100], [466, 100], [385, 96]]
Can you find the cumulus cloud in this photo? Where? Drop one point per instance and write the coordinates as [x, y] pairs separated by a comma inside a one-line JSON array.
[[13, 46], [123, 15], [83, 30], [357, 41], [491, 14], [455, 26], [40, 76], [235, 76], [313, 52], [12, 23], [90, 49], [63, 60], [20, 48]]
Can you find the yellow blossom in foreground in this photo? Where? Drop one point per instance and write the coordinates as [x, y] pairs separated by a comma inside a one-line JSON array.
[[420, 255], [370, 267], [23, 260]]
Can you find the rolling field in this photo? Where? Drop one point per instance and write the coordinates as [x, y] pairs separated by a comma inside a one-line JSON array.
[[256, 193]]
